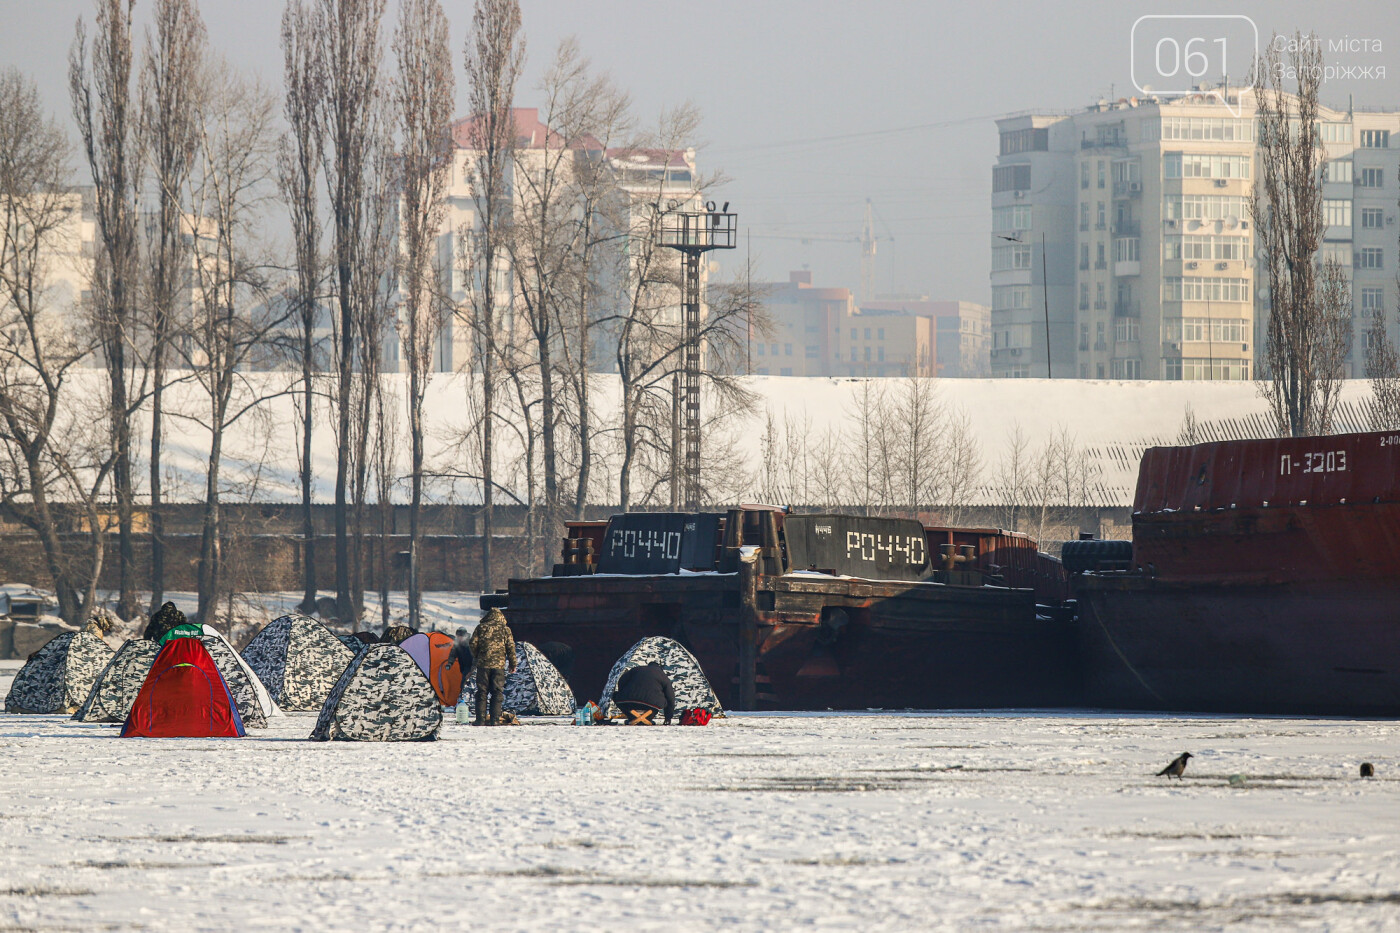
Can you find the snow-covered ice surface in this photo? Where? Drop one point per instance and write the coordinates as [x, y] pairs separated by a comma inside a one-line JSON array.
[[1044, 821]]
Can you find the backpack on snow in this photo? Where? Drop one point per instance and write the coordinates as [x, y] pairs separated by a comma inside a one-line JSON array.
[[695, 717]]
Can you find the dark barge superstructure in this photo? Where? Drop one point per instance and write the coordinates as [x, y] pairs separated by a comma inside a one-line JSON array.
[[1263, 577], [788, 611]]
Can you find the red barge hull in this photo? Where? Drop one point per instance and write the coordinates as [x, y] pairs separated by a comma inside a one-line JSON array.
[[1265, 578]]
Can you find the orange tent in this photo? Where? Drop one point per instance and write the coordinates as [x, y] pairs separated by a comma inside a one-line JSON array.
[[433, 652]]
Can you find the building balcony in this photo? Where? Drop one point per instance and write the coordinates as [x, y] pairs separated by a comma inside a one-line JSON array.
[[1127, 267], [1127, 228], [1100, 305], [1127, 189], [1123, 308], [1100, 264]]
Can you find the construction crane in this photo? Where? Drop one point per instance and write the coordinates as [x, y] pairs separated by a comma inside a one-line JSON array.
[[866, 238]]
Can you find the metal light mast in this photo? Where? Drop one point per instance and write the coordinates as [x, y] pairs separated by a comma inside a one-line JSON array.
[[693, 233]]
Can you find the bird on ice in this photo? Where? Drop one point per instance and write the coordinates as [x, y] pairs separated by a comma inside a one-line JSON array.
[[1176, 767]]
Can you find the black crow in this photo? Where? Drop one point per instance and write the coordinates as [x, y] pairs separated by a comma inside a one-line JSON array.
[[1176, 767]]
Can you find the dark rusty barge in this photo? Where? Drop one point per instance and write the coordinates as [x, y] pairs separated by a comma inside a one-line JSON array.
[[788, 611], [1264, 577]]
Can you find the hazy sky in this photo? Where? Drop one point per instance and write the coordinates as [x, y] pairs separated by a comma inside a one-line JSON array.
[[813, 106]]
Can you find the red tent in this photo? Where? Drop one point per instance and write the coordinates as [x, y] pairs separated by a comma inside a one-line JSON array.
[[183, 696]]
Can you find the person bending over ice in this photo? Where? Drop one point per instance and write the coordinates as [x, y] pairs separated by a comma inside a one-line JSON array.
[[644, 691]]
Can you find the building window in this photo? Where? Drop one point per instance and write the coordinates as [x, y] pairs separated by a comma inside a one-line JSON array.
[[1102, 173], [1372, 178], [1125, 330], [1205, 207], [1083, 255], [1372, 302], [1375, 139], [1203, 165], [1339, 171], [853, 354], [867, 333], [1032, 139], [1369, 257], [880, 334], [880, 354], [867, 354], [773, 349], [1127, 369], [1083, 370], [1014, 217], [853, 333], [812, 352], [1193, 369], [1084, 292], [1011, 178], [1335, 133], [1372, 218], [785, 371], [1336, 213], [1214, 129], [760, 349], [1125, 249], [1083, 336], [1102, 217], [1084, 174], [1198, 289], [1099, 370], [787, 349], [1100, 302], [1099, 342]]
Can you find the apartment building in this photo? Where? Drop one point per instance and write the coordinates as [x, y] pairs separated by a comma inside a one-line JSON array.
[[821, 332], [642, 178], [1140, 211]]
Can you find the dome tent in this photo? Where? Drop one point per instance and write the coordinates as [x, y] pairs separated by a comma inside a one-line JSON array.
[[381, 697], [116, 687], [184, 696], [227, 658], [298, 660], [693, 690], [433, 653], [535, 689], [59, 676]]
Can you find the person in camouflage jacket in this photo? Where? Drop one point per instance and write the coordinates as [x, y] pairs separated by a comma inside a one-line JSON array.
[[493, 649]]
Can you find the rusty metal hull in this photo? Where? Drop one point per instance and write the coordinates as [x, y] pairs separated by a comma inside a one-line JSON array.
[[903, 645], [1308, 647]]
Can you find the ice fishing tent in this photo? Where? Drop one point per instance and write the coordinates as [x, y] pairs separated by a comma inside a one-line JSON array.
[[111, 696], [433, 652], [243, 685], [693, 690], [535, 689], [381, 697], [184, 696], [298, 660], [58, 678]]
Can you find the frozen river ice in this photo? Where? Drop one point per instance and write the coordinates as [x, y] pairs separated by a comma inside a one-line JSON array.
[[1041, 820]]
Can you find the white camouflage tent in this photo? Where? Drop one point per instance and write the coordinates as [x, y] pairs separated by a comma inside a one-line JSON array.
[[298, 660], [58, 678], [692, 688], [116, 687], [381, 697]]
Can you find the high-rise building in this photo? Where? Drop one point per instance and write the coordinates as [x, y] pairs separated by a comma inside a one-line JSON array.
[[1140, 209]]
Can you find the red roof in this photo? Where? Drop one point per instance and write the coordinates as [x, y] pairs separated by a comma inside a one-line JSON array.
[[530, 133]]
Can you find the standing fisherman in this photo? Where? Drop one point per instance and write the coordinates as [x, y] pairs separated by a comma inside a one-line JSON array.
[[493, 648]]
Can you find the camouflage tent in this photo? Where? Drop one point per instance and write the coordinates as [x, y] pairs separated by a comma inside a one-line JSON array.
[[226, 653], [116, 687], [381, 697], [535, 689], [60, 675], [298, 659], [693, 690]]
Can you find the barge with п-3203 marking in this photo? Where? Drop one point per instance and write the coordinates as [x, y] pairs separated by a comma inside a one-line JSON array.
[[788, 611]]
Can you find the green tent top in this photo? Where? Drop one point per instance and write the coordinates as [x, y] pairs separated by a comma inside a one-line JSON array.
[[187, 630]]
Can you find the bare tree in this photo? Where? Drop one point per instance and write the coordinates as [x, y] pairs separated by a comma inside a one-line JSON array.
[[422, 109], [495, 53], [1015, 479], [233, 315], [170, 99], [349, 59], [53, 455], [299, 167], [1304, 362], [101, 94]]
